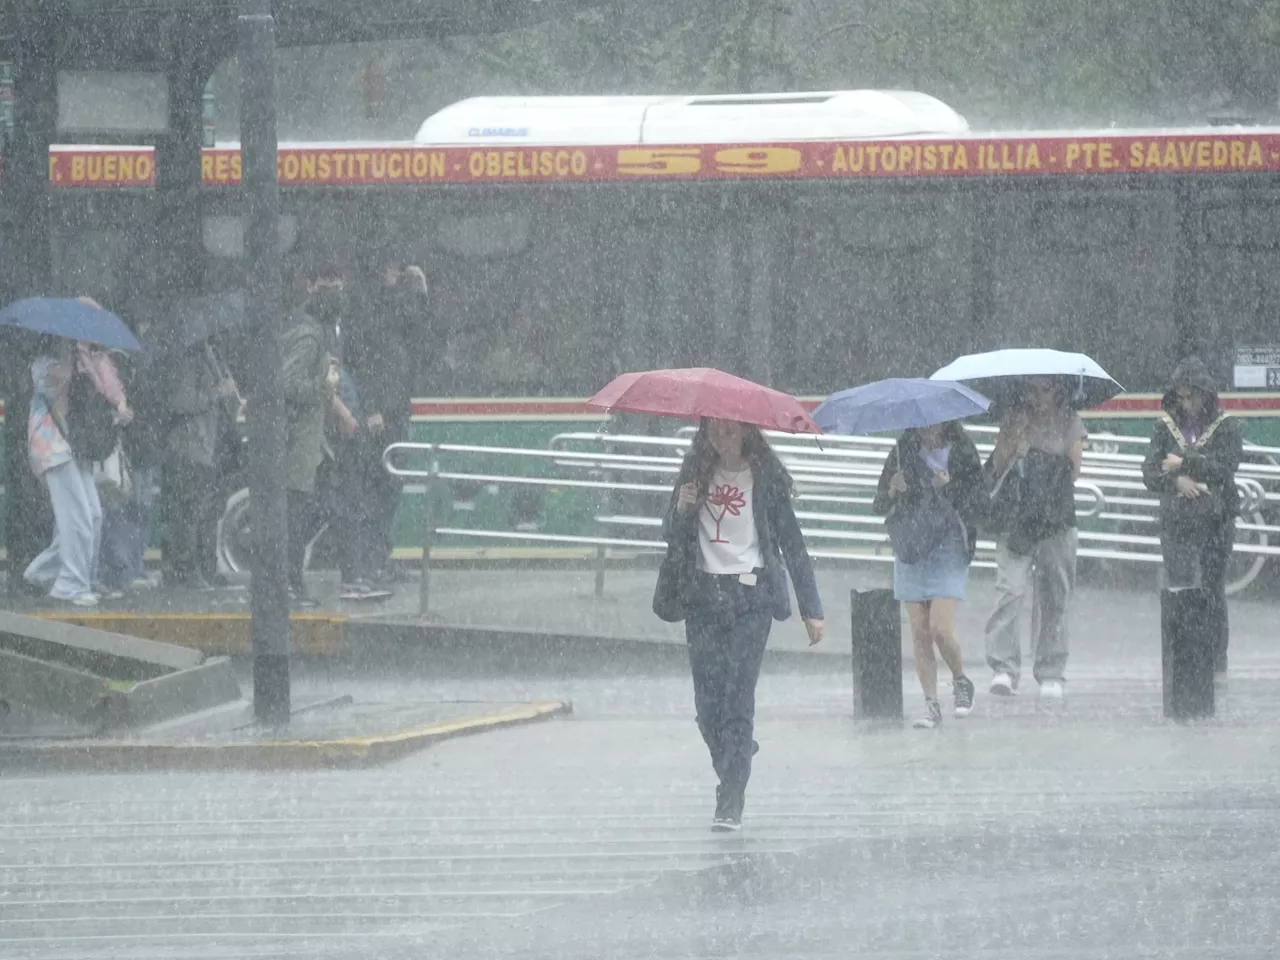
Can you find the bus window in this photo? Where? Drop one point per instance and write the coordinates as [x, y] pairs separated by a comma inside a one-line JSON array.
[[515, 302], [881, 286], [1087, 273], [1235, 277]]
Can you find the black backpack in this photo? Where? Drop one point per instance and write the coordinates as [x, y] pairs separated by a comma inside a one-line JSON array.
[[91, 422]]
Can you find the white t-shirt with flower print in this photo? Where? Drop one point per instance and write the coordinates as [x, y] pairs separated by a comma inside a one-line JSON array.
[[727, 538]]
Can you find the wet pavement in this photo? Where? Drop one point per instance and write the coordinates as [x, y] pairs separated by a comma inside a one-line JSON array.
[[1114, 632], [1094, 829], [1098, 830]]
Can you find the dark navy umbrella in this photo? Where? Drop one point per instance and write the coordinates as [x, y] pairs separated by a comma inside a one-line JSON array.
[[897, 404], [72, 319], [199, 318]]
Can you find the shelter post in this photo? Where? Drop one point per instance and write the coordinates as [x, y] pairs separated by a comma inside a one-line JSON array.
[[263, 305], [25, 193]]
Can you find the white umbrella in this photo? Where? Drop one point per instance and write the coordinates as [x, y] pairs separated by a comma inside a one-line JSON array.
[[1091, 384]]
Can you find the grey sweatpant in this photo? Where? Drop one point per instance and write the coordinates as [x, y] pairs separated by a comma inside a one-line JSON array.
[[1049, 574]]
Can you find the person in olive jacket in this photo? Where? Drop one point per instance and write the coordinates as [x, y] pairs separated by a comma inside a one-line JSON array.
[[732, 537], [1192, 461]]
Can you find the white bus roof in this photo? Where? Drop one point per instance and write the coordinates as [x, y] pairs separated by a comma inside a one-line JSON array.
[[734, 118]]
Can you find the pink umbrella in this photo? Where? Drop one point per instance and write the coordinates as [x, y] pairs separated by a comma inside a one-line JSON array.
[[703, 392]]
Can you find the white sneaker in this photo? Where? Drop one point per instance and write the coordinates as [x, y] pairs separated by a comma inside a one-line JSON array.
[[1052, 690], [1002, 686], [79, 600]]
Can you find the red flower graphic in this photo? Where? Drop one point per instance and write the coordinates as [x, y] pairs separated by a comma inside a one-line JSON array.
[[730, 500]]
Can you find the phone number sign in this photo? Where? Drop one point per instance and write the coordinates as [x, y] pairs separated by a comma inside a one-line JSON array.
[[1257, 368]]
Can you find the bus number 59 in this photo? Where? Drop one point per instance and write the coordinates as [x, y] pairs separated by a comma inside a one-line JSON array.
[[665, 161], [758, 160]]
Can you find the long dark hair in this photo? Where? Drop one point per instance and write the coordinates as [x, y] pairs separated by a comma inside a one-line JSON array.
[[755, 450], [952, 432]]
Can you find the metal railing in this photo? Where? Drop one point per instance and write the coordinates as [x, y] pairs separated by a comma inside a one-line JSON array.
[[1122, 504], [835, 483]]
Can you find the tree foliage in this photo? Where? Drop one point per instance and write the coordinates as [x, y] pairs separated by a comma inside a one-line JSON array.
[[998, 61]]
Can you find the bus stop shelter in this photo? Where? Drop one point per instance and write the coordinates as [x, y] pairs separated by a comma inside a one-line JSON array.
[[134, 71]]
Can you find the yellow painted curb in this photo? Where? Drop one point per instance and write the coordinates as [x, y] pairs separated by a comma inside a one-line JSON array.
[[212, 633], [114, 755]]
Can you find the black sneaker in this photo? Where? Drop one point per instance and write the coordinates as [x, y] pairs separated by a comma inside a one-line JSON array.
[[359, 590], [299, 600], [729, 803], [932, 717], [963, 688], [185, 581]]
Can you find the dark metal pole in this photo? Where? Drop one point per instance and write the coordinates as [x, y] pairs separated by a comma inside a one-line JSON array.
[[263, 303], [28, 269]]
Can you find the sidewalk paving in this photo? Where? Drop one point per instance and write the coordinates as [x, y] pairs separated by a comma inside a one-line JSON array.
[[1110, 629]]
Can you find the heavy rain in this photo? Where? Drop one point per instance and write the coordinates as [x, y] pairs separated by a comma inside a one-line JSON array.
[[555, 478]]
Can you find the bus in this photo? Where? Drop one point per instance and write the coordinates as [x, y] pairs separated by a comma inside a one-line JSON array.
[[807, 240]]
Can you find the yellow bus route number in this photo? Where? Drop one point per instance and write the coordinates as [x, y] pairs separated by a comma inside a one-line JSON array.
[[669, 161]]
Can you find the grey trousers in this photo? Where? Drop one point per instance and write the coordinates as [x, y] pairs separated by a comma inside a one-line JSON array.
[[66, 567], [1048, 573]]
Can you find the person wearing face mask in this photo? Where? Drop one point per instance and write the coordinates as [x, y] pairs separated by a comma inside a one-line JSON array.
[[1191, 463], [195, 384], [310, 381], [343, 497], [390, 351]]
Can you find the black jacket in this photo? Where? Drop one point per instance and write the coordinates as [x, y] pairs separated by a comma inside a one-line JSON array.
[[1212, 460], [781, 542], [380, 349], [967, 492]]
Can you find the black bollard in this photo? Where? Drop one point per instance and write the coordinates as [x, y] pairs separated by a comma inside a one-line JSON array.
[[877, 656], [1186, 654]]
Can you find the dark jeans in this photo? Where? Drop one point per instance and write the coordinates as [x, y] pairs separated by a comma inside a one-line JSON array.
[[298, 512], [125, 530], [187, 505], [384, 493], [342, 501], [727, 630], [1213, 555]]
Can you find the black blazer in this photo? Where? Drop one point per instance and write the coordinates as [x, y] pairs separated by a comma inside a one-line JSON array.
[[781, 543], [968, 491]]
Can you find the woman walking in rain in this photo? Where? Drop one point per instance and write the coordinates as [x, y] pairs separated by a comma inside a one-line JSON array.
[[1192, 462], [933, 490], [1034, 467], [730, 530]]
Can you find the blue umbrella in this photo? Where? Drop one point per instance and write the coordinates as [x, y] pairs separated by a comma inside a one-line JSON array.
[[60, 317], [897, 405], [1088, 384], [194, 319]]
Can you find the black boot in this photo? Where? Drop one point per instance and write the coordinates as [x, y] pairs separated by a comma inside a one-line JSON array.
[[729, 803]]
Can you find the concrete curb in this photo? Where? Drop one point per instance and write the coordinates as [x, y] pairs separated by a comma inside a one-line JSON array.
[[322, 634], [467, 650], [351, 752]]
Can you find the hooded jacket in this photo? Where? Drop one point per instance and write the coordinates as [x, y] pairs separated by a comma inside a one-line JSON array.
[[1211, 460]]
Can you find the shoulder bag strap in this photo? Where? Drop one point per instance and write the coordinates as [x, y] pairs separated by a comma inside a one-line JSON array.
[[1174, 432]]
